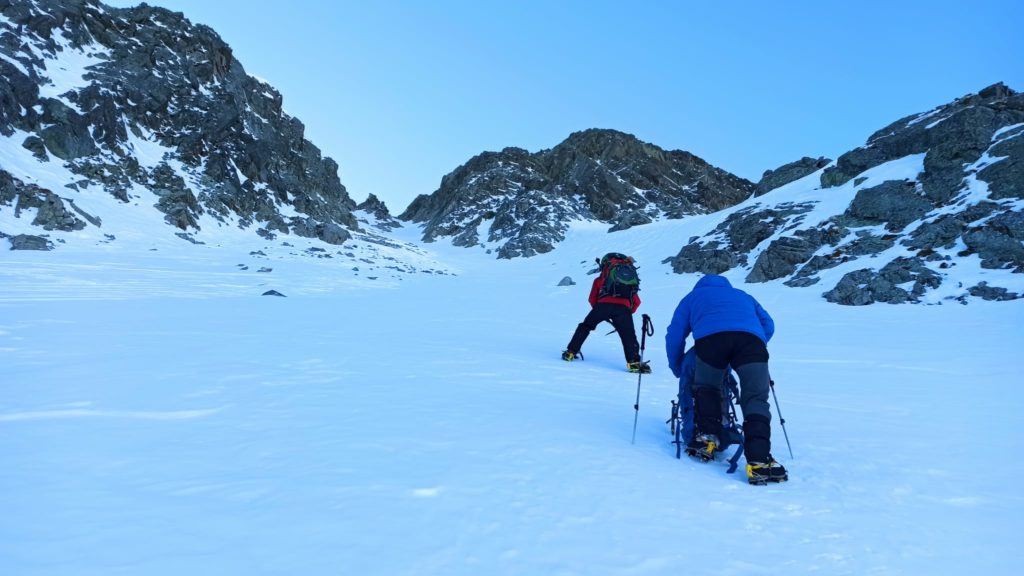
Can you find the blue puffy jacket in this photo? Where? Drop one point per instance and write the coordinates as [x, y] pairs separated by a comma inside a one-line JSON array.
[[714, 306]]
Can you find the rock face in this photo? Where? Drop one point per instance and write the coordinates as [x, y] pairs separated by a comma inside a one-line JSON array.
[[960, 196], [951, 137], [521, 203], [140, 98], [791, 172]]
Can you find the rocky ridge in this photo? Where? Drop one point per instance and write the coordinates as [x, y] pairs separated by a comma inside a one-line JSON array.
[[148, 108], [141, 99], [963, 197], [520, 204]]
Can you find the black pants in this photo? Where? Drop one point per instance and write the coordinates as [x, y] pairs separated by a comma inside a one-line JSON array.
[[748, 356], [620, 317]]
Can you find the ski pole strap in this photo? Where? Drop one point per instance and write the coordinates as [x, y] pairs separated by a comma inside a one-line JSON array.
[[646, 329]]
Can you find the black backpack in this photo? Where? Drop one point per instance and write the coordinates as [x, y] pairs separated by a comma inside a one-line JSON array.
[[620, 276], [682, 425]]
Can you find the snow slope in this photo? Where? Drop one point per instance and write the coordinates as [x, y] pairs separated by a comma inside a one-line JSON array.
[[158, 416]]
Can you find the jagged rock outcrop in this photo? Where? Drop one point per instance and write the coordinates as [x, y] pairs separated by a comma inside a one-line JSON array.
[[730, 244], [28, 242], [51, 211], [142, 98], [522, 202], [382, 218], [950, 136], [772, 179], [867, 286], [961, 198]]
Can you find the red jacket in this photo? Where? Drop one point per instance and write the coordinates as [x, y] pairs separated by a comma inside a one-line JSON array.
[[596, 289]]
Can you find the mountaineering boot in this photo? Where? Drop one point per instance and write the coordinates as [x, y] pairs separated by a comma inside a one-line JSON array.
[[761, 473], [703, 447], [641, 367], [569, 355]]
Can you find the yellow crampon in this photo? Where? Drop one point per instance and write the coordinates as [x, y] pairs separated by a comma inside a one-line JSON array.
[[761, 473], [638, 367], [706, 450]]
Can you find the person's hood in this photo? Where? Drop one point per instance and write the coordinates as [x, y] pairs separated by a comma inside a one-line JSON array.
[[713, 281]]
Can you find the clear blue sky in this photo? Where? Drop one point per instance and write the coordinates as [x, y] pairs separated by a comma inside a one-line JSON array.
[[400, 93]]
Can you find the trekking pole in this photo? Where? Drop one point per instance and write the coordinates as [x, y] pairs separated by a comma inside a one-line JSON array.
[[782, 420], [647, 328]]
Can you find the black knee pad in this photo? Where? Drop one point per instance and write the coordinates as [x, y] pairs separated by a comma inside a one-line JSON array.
[[707, 403], [757, 437], [757, 425]]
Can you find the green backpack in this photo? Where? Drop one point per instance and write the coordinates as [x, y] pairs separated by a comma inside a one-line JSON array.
[[620, 276]]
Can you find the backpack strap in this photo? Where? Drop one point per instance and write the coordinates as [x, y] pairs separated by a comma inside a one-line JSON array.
[[734, 461], [732, 391], [676, 423]]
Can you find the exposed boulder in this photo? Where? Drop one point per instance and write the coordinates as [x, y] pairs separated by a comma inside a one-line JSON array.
[[29, 242], [890, 284], [310, 228], [630, 219], [708, 258], [36, 145], [53, 215], [986, 292], [1000, 243]]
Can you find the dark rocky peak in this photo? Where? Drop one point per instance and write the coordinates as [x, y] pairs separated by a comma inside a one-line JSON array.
[[489, 173], [676, 181], [375, 208], [485, 176], [606, 145], [521, 204], [953, 207], [142, 98], [374, 205]]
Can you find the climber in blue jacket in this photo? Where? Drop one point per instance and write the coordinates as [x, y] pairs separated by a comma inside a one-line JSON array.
[[730, 329]]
